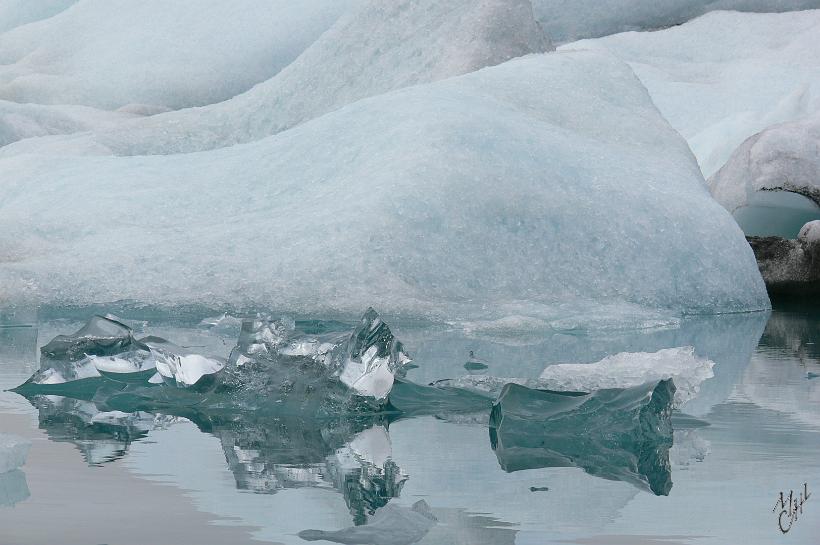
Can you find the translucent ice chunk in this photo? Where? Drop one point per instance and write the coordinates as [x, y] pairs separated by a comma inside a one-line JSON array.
[[13, 452], [370, 359], [134, 366], [184, 370], [100, 336], [623, 370], [616, 434], [13, 487]]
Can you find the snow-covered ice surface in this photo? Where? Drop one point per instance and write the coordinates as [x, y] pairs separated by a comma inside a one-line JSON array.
[[112, 53], [565, 21], [13, 452], [726, 76], [542, 187], [783, 157], [623, 370], [384, 45], [14, 13]]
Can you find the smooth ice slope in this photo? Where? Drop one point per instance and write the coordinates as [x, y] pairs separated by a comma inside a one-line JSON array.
[[112, 53], [533, 188], [725, 76], [565, 21], [385, 45], [784, 157]]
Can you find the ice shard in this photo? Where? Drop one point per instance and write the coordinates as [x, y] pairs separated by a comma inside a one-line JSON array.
[[616, 434]]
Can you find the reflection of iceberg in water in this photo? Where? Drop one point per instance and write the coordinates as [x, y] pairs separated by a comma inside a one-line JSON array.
[[13, 488], [777, 377], [619, 434], [270, 454], [101, 436], [391, 525]]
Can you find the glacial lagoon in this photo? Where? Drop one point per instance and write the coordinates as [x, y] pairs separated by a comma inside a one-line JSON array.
[[433, 474]]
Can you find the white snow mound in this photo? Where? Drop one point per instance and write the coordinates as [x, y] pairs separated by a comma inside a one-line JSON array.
[[112, 53], [726, 76], [784, 157], [385, 45], [543, 183]]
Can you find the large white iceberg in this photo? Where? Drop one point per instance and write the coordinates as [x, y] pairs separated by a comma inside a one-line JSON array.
[[530, 188], [384, 45], [726, 76], [112, 53], [782, 158]]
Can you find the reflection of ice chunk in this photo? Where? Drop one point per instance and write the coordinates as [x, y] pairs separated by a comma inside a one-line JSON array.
[[13, 487], [623, 370], [13, 452], [391, 525], [616, 434], [688, 448]]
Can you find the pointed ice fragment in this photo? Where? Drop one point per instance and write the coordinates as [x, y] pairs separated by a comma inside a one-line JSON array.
[[370, 359]]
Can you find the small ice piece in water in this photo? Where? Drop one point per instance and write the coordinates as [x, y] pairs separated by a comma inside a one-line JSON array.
[[370, 359], [623, 370], [13, 452], [260, 336], [222, 325], [70, 357], [391, 525], [474, 363], [101, 336], [629, 369]]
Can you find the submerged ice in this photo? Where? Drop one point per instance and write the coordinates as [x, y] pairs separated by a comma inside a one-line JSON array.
[[13, 452]]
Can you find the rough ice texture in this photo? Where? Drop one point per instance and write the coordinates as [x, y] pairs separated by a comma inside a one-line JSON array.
[[565, 21], [13, 452], [785, 157], [624, 370], [810, 233], [529, 188], [723, 77], [385, 45], [112, 53]]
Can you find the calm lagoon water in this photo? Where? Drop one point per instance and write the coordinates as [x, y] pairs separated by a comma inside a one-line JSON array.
[[139, 479]]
